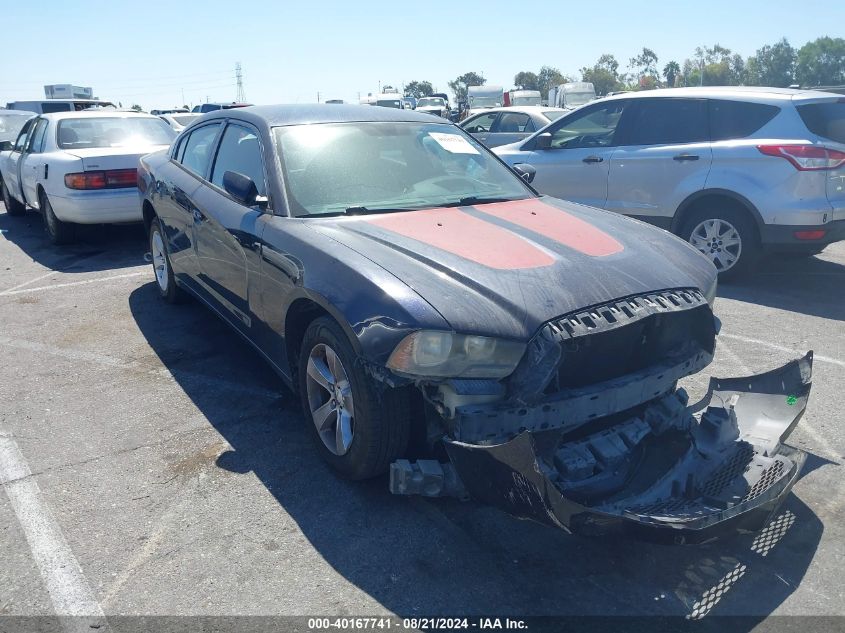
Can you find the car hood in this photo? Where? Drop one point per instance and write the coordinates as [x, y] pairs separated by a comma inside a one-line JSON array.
[[503, 269]]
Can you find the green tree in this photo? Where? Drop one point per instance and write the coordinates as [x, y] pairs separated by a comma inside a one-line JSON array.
[[604, 75], [644, 64], [137, 108], [821, 62], [460, 84], [713, 66], [772, 65], [419, 89], [526, 80], [548, 77], [671, 72]]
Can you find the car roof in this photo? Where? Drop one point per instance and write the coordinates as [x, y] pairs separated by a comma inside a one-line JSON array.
[[104, 113], [527, 109], [275, 115], [730, 92]]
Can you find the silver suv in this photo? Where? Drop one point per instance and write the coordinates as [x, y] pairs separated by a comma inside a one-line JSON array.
[[734, 171]]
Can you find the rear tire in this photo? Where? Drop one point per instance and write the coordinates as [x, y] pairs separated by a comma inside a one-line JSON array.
[[376, 423], [726, 236], [162, 269], [58, 231], [13, 207]]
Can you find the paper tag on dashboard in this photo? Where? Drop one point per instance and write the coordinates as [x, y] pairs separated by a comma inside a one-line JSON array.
[[454, 143]]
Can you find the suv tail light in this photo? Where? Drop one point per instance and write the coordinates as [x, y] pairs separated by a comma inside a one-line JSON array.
[[806, 157], [110, 179]]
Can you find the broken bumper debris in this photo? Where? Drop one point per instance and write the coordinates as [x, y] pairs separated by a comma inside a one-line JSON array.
[[664, 471]]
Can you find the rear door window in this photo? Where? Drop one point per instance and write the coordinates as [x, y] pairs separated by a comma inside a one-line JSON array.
[[668, 121], [738, 119], [511, 122], [199, 147], [825, 119], [36, 139]]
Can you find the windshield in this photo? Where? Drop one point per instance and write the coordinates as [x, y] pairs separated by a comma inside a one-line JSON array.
[[553, 115], [184, 120], [431, 101], [578, 98], [330, 168], [485, 102], [113, 132], [11, 124]]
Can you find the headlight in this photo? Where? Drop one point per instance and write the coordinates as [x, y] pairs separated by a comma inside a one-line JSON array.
[[710, 293], [449, 355]]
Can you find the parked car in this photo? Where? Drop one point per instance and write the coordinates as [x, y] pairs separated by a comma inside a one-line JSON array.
[[159, 112], [179, 121], [79, 168], [735, 171], [433, 105], [11, 122], [499, 126], [406, 284], [211, 107]]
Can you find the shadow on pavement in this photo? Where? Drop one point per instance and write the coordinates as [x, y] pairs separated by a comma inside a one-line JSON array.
[[98, 246], [807, 285], [425, 557]]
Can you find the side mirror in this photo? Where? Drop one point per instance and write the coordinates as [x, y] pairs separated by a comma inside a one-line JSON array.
[[543, 141], [525, 171], [5, 146], [243, 189]]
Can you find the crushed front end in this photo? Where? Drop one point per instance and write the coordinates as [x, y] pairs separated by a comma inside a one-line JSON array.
[[591, 434]]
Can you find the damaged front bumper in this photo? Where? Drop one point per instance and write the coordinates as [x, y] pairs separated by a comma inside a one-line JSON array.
[[663, 471]]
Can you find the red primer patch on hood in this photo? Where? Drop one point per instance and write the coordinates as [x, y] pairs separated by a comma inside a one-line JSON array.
[[551, 222], [459, 233]]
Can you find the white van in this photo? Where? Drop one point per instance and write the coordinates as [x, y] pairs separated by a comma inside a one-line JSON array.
[[385, 100], [46, 106]]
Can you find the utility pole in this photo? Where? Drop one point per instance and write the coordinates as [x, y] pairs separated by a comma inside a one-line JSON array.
[[318, 96], [240, 98]]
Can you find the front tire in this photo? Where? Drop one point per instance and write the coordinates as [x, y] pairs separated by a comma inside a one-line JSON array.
[[162, 269], [58, 231], [727, 238], [13, 207], [359, 428]]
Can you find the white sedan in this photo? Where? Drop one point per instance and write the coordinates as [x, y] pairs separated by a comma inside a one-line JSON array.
[[79, 168]]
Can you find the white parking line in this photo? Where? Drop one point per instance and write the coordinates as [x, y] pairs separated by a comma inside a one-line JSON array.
[[31, 281], [781, 348], [9, 292], [69, 591]]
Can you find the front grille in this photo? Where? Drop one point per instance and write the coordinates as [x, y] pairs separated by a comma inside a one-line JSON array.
[[615, 339]]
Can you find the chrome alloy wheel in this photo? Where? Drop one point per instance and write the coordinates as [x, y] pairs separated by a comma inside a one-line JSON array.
[[159, 260], [330, 399], [719, 240]]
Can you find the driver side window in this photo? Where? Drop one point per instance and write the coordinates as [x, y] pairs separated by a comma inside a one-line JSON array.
[[593, 127], [24, 135], [481, 123]]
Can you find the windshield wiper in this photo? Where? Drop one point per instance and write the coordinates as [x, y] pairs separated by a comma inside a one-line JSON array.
[[360, 210], [472, 200]]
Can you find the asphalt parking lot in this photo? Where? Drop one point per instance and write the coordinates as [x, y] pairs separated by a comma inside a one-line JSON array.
[[159, 464]]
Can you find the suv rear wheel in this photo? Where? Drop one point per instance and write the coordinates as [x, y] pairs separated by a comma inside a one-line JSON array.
[[725, 236]]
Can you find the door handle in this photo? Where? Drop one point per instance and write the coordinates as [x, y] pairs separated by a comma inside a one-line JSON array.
[[593, 159], [198, 216], [681, 157]]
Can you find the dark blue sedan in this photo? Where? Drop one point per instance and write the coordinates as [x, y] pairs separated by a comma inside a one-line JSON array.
[[420, 297]]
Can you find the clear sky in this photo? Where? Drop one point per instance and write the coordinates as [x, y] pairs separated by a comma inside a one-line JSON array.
[[149, 52]]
